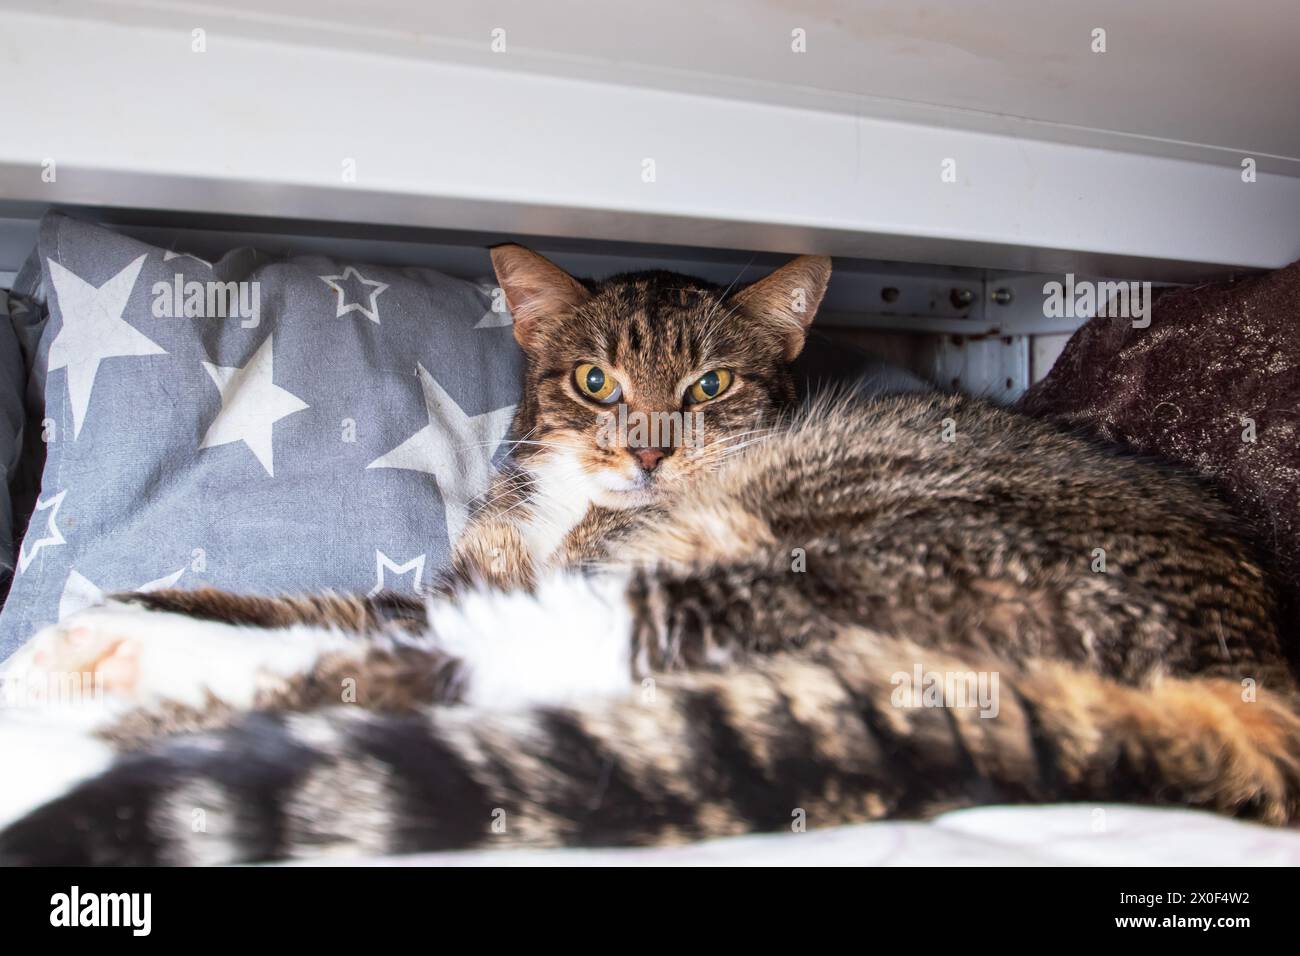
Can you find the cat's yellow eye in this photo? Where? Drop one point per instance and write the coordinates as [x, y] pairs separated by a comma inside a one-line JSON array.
[[709, 386], [594, 382]]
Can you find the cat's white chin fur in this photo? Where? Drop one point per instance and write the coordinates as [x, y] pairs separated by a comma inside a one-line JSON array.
[[568, 641], [561, 495]]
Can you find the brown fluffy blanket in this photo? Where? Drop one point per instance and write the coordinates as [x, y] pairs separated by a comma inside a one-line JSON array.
[[1212, 384]]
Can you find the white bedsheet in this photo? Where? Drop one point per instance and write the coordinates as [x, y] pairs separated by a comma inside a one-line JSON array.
[[1063, 834]]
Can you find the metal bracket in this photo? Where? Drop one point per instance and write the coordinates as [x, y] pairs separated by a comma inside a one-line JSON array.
[[969, 303]]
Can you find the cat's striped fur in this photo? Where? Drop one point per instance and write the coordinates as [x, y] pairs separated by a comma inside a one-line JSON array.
[[714, 755], [761, 623]]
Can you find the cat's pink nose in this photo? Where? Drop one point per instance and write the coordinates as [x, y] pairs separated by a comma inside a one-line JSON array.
[[647, 458]]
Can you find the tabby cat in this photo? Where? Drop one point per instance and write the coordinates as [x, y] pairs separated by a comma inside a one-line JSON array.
[[648, 641]]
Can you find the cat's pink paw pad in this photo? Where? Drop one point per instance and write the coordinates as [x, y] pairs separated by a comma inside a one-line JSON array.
[[95, 658]]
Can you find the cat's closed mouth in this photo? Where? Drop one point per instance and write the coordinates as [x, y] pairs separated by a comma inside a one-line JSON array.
[[634, 491]]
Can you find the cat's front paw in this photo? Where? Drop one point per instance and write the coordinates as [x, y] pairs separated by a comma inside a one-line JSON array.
[[78, 660], [119, 652]]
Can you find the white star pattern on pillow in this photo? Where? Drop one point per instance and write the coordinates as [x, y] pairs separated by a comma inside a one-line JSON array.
[[80, 592], [53, 536], [250, 405], [455, 448], [170, 254], [497, 316], [351, 281], [93, 330], [383, 564]]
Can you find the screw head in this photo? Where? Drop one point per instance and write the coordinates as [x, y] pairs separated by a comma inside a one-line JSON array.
[[961, 298], [1003, 296]]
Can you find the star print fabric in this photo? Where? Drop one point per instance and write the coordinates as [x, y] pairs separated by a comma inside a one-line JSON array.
[[247, 422]]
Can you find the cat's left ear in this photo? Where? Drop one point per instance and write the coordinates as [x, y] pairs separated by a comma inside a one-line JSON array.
[[789, 297]]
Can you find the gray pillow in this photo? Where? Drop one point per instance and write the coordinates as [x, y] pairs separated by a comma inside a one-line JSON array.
[[254, 424]]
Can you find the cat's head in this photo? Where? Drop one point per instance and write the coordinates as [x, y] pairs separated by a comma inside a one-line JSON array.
[[637, 382]]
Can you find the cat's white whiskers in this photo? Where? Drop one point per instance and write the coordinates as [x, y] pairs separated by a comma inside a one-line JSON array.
[[512, 443], [541, 444], [733, 436], [726, 445]]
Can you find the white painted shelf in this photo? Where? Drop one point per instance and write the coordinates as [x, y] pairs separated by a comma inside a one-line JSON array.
[[1125, 163]]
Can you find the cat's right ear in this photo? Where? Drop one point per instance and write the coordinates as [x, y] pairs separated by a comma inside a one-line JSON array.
[[536, 289]]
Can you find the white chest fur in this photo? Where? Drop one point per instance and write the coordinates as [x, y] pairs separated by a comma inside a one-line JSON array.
[[560, 500]]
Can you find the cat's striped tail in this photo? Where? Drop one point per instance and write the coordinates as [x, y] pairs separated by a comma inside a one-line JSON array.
[[827, 736]]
